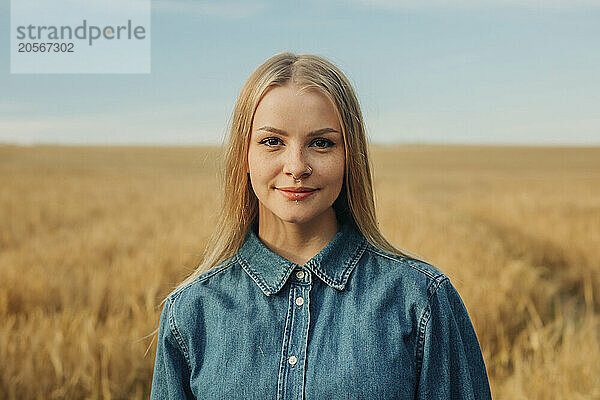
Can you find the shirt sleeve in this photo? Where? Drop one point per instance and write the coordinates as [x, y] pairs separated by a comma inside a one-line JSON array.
[[171, 378], [449, 356]]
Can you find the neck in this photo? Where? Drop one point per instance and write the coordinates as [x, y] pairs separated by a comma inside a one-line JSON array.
[[297, 242]]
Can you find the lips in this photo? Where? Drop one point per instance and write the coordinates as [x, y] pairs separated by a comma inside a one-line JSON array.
[[296, 193], [297, 189]]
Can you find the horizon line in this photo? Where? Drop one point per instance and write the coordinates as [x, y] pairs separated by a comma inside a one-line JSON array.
[[375, 143]]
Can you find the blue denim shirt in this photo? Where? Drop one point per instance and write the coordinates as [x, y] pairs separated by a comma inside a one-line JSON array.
[[352, 323]]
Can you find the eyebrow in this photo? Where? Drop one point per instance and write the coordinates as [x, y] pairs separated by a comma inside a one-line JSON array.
[[284, 133]]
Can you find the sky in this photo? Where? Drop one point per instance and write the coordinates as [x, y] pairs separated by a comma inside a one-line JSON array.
[[425, 72]]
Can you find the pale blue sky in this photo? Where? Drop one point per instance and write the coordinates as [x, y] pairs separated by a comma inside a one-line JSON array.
[[463, 71]]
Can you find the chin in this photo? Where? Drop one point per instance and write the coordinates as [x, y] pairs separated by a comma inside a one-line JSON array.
[[294, 218]]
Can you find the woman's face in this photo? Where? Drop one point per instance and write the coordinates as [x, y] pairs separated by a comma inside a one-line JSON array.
[[294, 133]]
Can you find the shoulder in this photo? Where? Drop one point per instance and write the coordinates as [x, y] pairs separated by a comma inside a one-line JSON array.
[[184, 299], [421, 283], [416, 276]]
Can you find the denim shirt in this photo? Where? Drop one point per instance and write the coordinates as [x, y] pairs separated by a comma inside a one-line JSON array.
[[354, 322]]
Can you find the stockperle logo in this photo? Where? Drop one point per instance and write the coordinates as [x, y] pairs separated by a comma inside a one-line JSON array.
[[74, 36]]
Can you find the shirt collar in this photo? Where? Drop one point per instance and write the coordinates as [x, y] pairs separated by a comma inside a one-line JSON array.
[[333, 264]]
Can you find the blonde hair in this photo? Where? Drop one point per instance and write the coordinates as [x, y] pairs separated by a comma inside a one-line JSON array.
[[240, 205]]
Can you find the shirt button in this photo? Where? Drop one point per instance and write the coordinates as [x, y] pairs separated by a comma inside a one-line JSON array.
[[293, 360], [300, 274], [299, 301]]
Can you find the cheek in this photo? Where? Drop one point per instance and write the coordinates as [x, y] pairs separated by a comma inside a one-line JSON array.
[[260, 168], [254, 163], [334, 171], [251, 160]]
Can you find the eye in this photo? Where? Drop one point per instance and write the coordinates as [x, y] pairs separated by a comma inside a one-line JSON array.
[[322, 143], [271, 141]]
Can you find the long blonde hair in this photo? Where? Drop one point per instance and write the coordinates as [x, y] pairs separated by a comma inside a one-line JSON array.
[[240, 205]]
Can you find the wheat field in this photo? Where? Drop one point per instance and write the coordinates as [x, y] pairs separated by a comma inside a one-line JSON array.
[[93, 238]]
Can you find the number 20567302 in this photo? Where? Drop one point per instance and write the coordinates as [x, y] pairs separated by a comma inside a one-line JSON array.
[[26, 47]]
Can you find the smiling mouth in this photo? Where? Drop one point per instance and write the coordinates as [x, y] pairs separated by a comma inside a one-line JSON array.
[[297, 190], [296, 193]]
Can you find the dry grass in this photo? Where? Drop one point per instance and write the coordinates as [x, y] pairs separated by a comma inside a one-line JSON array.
[[91, 239]]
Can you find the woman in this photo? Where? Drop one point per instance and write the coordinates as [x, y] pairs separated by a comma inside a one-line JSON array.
[[299, 294]]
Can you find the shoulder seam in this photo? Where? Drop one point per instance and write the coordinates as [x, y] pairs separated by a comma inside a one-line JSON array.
[[201, 278], [422, 326], [177, 335], [436, 278]]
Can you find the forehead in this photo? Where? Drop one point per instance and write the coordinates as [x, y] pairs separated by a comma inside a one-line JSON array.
[[289, 106]]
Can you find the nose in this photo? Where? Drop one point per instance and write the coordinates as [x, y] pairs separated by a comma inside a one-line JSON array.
[[295, 163]]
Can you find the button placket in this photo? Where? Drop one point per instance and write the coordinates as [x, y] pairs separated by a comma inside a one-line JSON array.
[[293, 356]]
